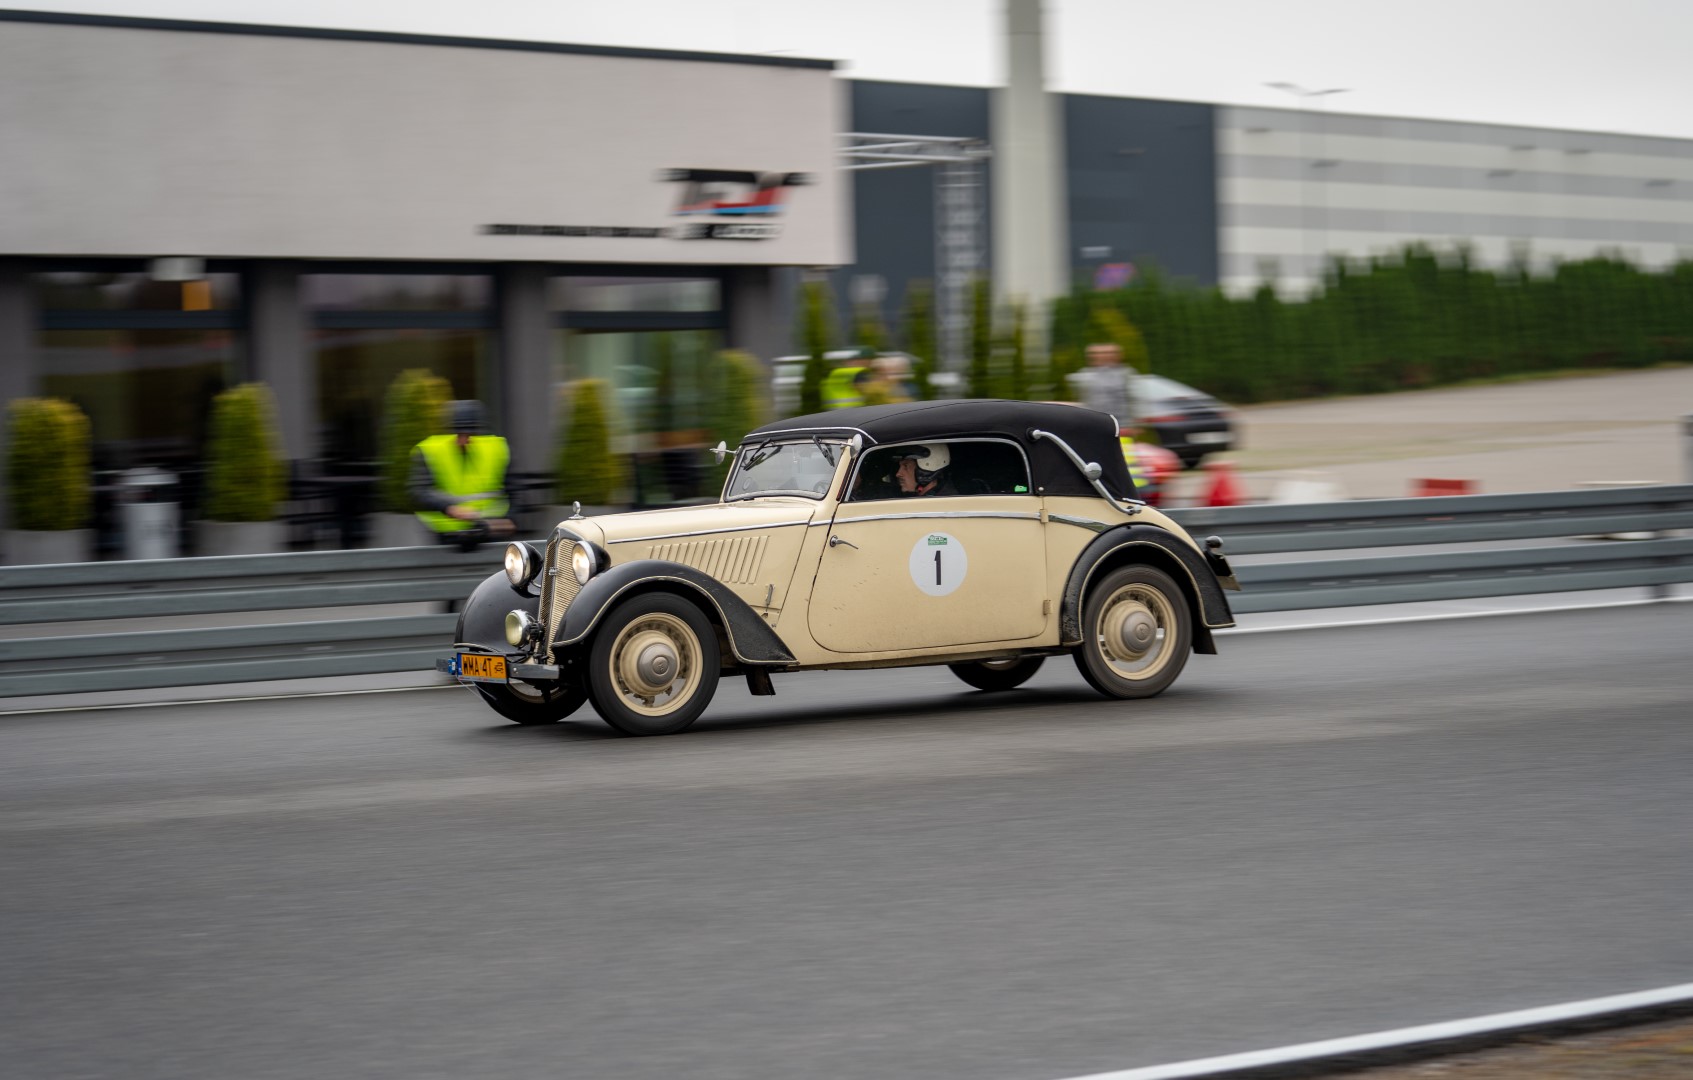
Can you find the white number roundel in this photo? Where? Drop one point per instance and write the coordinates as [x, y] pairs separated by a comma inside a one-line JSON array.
[[938, 563]]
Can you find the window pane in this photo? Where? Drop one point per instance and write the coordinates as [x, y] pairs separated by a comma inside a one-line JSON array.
[[355, 367], [90, 291], [633, 294], [396, 292], [147, 393], [659, 376]]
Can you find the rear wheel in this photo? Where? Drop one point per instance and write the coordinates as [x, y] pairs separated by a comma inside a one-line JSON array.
[[653, 666], [998, 674], [528, 704], [1137, 631]]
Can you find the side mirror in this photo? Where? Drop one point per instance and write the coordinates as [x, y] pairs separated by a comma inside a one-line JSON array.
[[1092, 470], [721, 450], [855, 444]]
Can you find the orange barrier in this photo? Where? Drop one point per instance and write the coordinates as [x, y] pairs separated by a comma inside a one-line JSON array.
[[1225, 488], [1429, 487]]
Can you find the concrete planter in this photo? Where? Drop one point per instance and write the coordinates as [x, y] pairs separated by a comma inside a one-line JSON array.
[[396, 530], [26, 546], [240, 537]]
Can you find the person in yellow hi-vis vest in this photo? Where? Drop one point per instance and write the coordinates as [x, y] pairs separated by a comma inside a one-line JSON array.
[[458, 481]]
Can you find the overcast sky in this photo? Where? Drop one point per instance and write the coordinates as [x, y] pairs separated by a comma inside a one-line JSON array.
[[1603, 65]]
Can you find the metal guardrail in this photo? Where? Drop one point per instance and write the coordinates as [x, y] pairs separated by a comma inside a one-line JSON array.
[[88, 653], [1593, 516]]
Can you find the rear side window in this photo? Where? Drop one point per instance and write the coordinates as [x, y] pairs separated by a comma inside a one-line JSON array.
[[977, 468]]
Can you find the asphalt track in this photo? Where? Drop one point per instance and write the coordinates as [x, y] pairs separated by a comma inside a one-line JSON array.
[[1316, 834]]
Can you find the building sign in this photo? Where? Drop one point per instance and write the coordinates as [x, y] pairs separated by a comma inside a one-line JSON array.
[[734, 205]]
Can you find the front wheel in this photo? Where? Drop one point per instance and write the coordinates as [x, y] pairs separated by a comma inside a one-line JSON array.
[[653, 666], [526, 704], [1137, 630], [998, 674]]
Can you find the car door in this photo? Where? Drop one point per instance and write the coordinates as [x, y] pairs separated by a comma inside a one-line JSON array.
[[934, 571]]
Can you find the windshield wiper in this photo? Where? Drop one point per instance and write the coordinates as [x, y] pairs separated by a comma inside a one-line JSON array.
[[823, 448], [759, 457]]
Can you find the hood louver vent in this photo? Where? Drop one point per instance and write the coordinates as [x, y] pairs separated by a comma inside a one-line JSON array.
[[733, 560]]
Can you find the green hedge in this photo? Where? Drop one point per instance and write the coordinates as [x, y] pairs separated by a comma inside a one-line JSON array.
[[47, 464], [246, 476], [414, 408], [1418, 318], [586, 470], [739, 405]]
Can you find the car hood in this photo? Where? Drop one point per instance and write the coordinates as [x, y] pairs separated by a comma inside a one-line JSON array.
[[702, 520]]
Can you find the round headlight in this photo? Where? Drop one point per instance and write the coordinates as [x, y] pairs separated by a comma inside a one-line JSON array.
[[521, 564], [518, 624], [582, 563]]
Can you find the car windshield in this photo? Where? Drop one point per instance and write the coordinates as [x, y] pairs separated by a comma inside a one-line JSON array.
[[784, 468]]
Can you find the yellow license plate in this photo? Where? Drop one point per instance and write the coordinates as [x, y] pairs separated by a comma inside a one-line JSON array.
[[482, 666]]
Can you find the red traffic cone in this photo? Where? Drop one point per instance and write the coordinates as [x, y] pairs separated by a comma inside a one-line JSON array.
[[1226, 488]]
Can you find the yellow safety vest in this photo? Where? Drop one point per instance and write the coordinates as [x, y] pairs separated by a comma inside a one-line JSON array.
[[838, 391], [477, 473], [1132, 460]]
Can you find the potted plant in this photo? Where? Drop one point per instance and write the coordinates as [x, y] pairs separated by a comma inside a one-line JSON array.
[[739, 405], [585, 469], [246, 476], [47, 476], [413, 409]]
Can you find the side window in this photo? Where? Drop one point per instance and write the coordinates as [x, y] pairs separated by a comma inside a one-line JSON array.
[[973, 468]]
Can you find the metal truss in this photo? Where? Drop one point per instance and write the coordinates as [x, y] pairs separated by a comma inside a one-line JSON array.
[[960, 243]]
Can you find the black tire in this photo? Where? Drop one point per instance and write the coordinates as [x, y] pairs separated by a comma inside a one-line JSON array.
[[1115, 658], [998, 674], [620, 697], [529, 705]]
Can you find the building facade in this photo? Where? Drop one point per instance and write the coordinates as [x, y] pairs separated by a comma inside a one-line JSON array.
[[188, 206]]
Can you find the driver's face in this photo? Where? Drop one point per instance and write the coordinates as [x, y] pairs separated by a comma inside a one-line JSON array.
[[906, 475]]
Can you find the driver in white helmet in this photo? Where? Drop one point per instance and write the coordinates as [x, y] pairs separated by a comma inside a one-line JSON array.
[[924, 470]]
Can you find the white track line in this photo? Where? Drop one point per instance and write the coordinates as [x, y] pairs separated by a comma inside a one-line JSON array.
[[1440, 616], [1403, 1038]]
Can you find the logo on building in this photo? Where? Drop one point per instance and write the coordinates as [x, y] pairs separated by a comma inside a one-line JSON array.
[[720, 204], [737, 204]]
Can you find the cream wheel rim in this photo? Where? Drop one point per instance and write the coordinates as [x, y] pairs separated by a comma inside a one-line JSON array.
[[655, 664], [1134, 632]]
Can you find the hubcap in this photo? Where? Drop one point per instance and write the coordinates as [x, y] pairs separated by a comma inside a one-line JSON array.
[[1134, 631], [655, 661]]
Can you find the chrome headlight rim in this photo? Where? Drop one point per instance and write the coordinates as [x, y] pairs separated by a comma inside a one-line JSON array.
[[522, 564], [519, 626], [585, 562]]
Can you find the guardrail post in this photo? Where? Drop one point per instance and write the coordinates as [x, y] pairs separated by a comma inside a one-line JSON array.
[[1687, 447]]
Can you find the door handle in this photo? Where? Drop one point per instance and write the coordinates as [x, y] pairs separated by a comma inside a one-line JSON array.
[[835, 541]]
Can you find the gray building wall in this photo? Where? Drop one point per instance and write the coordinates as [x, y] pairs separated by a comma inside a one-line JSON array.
[[1140, 178], [894, 209], [1142, 182]]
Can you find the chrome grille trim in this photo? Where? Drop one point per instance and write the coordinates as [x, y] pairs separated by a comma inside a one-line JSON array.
[[558, 589]]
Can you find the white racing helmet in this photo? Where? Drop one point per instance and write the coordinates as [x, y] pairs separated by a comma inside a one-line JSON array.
[[930, 460]]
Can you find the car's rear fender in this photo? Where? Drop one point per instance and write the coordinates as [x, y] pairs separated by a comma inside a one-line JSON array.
[[750, 639], [1151, 546]]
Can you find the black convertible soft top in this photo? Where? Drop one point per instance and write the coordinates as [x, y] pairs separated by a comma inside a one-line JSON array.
[[1093, 435]]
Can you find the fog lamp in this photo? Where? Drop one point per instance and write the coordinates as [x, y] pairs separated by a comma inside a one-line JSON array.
[[518, 625]]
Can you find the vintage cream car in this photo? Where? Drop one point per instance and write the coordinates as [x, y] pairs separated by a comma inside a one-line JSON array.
[[983, 535]]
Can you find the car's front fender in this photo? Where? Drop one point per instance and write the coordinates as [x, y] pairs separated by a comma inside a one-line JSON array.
[[1119, 545], [750, 639], [483, 620]]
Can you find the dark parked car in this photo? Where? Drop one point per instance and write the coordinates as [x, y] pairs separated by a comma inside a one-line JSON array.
[[1188, 422]]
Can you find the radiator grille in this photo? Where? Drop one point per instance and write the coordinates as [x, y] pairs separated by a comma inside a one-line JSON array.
[[730, 559], [558, 589]]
